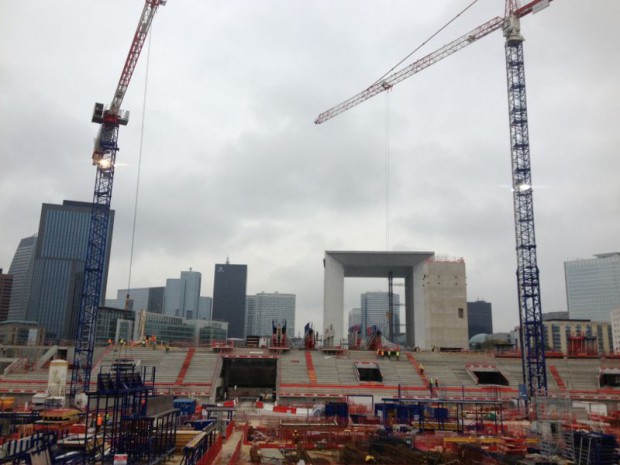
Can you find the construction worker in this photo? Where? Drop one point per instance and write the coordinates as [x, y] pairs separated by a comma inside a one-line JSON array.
[[397, 354], [99, 420], [421, 369]]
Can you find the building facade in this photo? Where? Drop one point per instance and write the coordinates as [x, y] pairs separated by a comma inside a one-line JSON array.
[[21, 270], [150, 299], [442, 321], [182, 296], [176, 330], [22, 333], [374, 311], [578, 337], [479, 318], [354, 318], [58, 269], [229, 294], [593, 286], [6, 285], [114, 324], [205, 305], [615, 330], [265, 308]]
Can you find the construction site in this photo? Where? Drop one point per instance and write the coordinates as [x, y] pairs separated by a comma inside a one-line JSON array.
[[365, 400], [281, 404]]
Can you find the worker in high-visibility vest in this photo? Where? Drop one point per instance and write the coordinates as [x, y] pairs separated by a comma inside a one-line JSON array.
[[99, 420]]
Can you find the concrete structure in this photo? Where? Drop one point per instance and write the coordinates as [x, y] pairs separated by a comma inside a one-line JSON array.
[[374, 312], [265, 308], [578, 337], [229, 293], [21, 270], [479, 318], [6, 285], [593, 286], [58, 270], [435, 294], [443, 321]]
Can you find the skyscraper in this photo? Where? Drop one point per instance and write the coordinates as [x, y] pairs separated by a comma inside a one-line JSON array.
[[263, 309], [479, 318], [229, 291], [21, 270], [375, 308], [593, 287], [59, 267], [205, 305], [182, 296], [355, 317], [6, 283]]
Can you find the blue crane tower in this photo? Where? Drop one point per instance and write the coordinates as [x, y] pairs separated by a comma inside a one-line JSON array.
[[104, 158], [528, 282]]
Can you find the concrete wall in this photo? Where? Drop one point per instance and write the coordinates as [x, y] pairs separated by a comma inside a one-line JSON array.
[[333, 299], [443, 321]]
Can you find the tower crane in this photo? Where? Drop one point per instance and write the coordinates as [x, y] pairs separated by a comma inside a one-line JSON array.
[[104, 158], [528, 282]]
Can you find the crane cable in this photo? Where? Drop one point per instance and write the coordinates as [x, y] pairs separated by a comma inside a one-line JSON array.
[[387, 122], [425, 42], [387, 171], [135, 208]]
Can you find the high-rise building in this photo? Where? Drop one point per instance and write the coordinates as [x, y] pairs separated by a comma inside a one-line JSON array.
[[59, 267], [6, 284], [205, 304], [229, 293], [150, 299], [375, 309], [615, 329], [182, 296], [479, 318], [593, 286], [191, 293], [355, 317], [21, 270], [263, 309]]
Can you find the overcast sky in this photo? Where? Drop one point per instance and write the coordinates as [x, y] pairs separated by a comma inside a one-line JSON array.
[[233, 165]]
